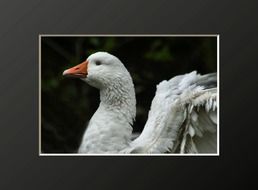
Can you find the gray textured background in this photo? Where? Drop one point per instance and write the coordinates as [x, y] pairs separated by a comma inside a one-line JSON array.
[[21, 22]]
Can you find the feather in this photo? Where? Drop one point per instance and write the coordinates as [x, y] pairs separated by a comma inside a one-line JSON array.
[[180, 104]]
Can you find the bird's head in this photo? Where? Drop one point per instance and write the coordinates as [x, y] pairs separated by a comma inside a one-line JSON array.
[[99, 70]]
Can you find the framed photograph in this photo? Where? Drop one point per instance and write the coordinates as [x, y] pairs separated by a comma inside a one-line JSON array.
[[129, 95], [132, 95]]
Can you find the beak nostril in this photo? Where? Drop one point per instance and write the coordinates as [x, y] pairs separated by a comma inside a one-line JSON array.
[[78, 71]]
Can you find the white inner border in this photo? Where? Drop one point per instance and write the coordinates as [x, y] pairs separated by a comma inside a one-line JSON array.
[[134, 35]]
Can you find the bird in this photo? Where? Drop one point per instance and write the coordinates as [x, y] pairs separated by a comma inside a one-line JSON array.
[[182, 118]]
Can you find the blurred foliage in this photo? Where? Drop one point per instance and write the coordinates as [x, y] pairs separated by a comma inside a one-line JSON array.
[[68, 104]]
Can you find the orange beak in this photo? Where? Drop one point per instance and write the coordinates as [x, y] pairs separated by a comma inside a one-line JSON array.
[[79, 71]]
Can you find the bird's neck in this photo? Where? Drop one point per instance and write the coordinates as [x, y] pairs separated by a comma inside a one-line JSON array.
[[120, 98], [110, 128]]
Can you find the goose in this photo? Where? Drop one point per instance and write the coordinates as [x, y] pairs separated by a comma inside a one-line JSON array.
[[182, 118]]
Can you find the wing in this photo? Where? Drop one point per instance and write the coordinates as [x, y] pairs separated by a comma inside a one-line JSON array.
[[181, 118]]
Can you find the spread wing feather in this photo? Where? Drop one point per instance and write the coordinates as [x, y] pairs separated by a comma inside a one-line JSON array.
[[182, 118]]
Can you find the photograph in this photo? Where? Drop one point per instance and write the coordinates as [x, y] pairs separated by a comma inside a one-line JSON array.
[[128, 95], [132, 95]]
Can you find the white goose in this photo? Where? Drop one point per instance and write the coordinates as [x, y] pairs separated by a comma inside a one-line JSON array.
[[182, 118]]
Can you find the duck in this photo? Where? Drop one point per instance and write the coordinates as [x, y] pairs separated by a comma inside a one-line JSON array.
[[182, 118]]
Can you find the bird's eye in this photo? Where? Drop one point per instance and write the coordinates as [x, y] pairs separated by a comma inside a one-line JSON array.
[[98, 63]]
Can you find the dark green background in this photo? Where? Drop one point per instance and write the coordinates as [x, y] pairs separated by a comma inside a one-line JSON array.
[[67, 104]]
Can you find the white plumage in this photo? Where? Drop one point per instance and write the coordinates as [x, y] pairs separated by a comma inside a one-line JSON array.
[[182, 118]]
